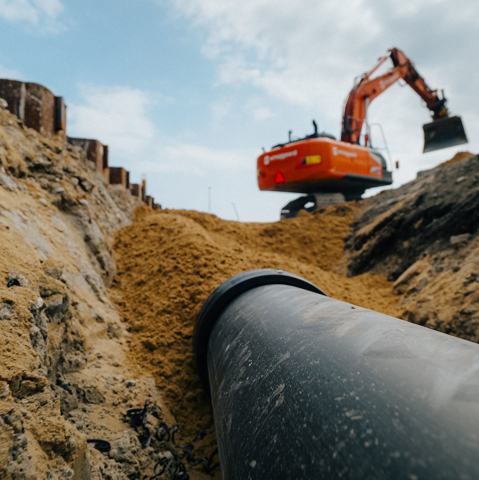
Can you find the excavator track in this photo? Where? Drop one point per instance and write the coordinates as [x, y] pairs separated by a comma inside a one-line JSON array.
[[312, 202]]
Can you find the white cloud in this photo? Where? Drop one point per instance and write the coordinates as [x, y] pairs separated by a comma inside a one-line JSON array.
[[262, 113], [18, 10], [295, 58], [51, 8], [308, 52], [43, 14], [209, 158], [120, 118], [116, 116], [197, 160], [10, 73], [288, 49], [220, 110]]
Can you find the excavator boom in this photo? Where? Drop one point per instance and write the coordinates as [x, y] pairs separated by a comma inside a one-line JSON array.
[[444, 131]]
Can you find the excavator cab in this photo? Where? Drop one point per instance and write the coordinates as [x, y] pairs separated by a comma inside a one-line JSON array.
[[443, 133]]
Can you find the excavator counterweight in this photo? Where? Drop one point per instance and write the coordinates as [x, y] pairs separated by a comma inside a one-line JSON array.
[[443, 133]]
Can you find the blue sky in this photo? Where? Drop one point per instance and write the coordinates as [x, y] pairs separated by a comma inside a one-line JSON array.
[[187, 92]]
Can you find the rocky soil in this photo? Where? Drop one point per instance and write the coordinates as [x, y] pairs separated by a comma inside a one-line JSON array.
[[64, 374]]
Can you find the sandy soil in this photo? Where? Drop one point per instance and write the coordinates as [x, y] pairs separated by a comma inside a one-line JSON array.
[[170, 261]]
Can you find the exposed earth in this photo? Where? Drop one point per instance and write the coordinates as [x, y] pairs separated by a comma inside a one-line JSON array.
[[99, 295]]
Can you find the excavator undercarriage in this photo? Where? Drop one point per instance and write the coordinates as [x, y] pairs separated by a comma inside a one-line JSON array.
[[312, 202]]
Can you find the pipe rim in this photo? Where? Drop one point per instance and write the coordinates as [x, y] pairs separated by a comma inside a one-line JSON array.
[[223, 295]]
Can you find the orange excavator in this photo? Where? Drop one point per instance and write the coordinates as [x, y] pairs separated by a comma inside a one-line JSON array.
[[331, 171]]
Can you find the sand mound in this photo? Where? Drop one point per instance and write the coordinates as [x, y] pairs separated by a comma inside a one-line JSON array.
[[457, 158], [170, 261]]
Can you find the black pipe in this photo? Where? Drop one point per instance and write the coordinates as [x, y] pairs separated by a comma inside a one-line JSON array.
[[307, 387]]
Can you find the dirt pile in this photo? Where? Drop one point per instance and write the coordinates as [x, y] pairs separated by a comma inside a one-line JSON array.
[[424, 237], [170, 261], [457, 158]]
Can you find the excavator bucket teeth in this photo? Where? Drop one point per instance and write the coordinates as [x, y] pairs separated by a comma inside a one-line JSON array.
[[443, 133]]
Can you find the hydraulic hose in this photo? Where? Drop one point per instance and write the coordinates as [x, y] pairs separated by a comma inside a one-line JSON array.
[[304, 386]]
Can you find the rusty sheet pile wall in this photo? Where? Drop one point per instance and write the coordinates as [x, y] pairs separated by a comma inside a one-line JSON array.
[[38, 108], [35, 106], [95, 151], [119, 176]]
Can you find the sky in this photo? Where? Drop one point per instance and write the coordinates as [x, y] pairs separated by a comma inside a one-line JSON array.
[[187, 92]]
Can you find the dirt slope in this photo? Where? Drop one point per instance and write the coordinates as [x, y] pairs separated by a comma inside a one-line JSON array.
[[424, 236], [63, 370], [398, 226]]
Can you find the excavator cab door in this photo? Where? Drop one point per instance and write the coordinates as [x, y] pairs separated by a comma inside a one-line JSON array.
[[443, 133]]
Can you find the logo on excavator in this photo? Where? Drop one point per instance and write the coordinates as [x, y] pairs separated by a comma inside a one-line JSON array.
[[388, 81], [280, 156], [337, 151]]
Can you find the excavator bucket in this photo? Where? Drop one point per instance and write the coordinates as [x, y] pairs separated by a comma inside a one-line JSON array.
[[443, 133]]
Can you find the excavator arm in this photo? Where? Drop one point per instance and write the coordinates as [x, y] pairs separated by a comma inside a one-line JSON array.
[[443, 132]]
